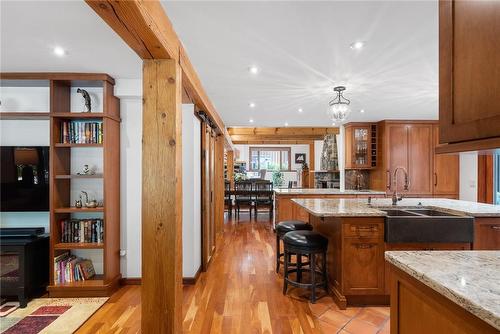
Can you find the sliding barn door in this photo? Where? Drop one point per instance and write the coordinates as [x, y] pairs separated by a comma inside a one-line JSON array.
[[207, 193]]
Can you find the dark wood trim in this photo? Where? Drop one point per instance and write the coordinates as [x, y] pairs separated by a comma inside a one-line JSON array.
[[131, 281], [70, 76], [192, 280], [483, 146], [23, 115], [485, 179]]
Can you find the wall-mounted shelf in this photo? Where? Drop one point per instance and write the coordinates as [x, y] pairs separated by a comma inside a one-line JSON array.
[[84, 115], [75, 209], [79, 245], [77, 176], [77, 145], [4, 115]]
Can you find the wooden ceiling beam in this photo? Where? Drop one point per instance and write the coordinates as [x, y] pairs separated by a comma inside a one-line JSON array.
[[271, 142], [284, 131], [146, 28]]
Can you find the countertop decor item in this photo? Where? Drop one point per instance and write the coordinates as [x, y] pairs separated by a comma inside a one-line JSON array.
[[339, 106], [86, 97]]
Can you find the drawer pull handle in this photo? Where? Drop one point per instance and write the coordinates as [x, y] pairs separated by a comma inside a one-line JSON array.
[[365, 229], [364, 246], [496, 227]]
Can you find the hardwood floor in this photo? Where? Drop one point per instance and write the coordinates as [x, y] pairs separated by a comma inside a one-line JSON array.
[[241, 293]]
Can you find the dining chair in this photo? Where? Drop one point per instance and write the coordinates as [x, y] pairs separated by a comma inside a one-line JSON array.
[[264, 196], [243, 200]]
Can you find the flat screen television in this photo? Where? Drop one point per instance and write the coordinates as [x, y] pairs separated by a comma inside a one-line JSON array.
[[24, 178]]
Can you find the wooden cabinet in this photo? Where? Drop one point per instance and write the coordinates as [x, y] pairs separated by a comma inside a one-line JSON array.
[[486, 234], [364, 270], [446, 171], [360, 145], [469, 75], [411, 144]]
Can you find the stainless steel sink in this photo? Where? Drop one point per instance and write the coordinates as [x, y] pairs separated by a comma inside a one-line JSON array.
[[426, 225]]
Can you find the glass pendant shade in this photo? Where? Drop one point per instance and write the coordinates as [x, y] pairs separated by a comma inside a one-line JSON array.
[[339, 107]]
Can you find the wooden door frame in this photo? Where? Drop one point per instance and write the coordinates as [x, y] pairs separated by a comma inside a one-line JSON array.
[[485, 178]]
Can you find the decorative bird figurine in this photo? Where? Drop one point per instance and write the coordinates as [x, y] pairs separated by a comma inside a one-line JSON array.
[[86, 96]]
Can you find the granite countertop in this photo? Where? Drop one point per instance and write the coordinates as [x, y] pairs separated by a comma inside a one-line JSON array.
[[325, 191], [470, 279], [344, 207]]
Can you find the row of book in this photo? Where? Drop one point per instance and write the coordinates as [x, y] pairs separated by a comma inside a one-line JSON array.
[[82, 230], [70, 268], [80, 132]]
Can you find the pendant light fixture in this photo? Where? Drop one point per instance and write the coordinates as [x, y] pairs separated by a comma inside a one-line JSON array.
[[339, 106]]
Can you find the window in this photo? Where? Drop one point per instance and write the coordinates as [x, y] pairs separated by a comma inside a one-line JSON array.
[[269, 158]]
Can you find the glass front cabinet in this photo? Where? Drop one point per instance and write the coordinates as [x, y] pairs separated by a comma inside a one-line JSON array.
[[360, 145]]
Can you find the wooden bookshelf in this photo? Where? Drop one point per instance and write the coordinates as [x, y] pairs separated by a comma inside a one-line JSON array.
[[78, 245], [61, 178]]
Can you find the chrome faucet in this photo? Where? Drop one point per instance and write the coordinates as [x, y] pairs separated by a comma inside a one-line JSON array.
[[395, 196]]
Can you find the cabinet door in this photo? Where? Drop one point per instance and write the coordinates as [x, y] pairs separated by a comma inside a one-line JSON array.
[[487, 234], [469, 70], [363, 266], [396, 152], [446, 171], [420, 152]]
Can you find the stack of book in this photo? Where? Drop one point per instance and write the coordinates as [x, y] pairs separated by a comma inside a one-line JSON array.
[[82, 230], [69, 268], [80, 132]]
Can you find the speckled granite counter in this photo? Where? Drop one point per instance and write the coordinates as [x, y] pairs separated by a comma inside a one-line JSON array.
[[326, 191], [470, 279], [343, 207]]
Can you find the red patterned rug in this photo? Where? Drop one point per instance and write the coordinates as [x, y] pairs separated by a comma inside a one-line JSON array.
[[50, 315]]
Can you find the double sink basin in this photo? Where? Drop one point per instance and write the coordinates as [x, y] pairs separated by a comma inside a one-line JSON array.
[[421, 224]]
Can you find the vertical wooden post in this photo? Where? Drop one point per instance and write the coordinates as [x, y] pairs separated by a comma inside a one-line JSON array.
[[230, 168], [161, 198], [219, 184], [311, 155]]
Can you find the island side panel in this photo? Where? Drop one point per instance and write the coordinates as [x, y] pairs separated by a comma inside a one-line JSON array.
[[486, 233], [416, 309]]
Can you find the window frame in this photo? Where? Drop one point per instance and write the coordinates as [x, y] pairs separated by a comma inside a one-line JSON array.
[[258, 149]]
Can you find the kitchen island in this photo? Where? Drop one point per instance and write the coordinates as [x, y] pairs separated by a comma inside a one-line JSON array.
[[445, 292], [285, 209], [356, 231]]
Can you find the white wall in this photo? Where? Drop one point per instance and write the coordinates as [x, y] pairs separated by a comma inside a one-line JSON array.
[[191, 186], [468, 177]]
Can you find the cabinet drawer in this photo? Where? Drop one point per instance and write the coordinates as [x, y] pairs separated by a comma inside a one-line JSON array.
[[363, 230]]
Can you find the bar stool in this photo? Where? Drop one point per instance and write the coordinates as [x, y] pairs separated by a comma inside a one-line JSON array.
[[284, 227], [310, 244]]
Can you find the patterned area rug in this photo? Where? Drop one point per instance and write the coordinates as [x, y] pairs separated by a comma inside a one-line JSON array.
[[50, 316]]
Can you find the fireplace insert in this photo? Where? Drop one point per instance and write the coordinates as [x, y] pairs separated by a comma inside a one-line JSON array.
[[24, 263]]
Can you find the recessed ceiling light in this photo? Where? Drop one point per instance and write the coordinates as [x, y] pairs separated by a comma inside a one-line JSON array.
[[250, 120], [59, 51], [251, 105], [301, 110], [286, 123], [253, 69], [357, 45], [333, 124], [362, 111]]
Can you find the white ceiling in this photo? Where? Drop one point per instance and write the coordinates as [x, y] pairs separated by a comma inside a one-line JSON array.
[[302, 49], [29, 30]]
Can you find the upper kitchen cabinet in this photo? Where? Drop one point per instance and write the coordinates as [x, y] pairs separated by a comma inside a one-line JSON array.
[[469, 75], [360, 145], [411, 145]]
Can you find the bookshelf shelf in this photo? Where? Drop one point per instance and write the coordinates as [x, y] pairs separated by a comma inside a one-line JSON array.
[[59, 145], [83, 115], [79, 245], [61, 185], [76, 176], [74, 209]]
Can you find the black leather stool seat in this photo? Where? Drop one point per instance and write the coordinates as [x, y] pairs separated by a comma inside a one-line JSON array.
[[305, 240], [284, 227], [292, 225]]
